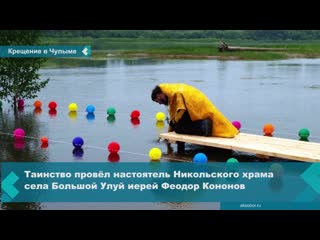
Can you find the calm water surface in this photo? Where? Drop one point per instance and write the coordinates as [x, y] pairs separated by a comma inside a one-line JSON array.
[[285, 93]]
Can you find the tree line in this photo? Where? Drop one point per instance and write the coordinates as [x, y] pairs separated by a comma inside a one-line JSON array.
[[190, 34]]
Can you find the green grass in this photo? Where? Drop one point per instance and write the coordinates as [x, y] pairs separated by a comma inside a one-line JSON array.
[[103, 48]]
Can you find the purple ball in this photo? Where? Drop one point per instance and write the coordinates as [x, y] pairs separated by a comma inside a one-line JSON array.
[[18, 133], [20, 103], [237, 124], [77, 142]]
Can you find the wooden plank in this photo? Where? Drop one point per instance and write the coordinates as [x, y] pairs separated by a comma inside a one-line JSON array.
[[269, 146]]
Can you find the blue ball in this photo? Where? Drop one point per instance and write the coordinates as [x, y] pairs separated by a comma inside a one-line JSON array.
[[200, 158], [90, 109], [77, 142]]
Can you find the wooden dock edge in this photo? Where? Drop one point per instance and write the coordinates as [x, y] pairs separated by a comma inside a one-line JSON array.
[[260, 145]]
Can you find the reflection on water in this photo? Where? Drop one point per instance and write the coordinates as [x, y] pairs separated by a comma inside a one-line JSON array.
[[37, 111], [113, 157], [314, 86], [52, 113], [72, 115], [283, 93], [78, 152], [111, 118], [20, 150], [73, 62], [90, 116]]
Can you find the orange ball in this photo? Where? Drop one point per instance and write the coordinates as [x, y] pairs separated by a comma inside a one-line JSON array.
[[44, 140], [268, 129], [37, 104]]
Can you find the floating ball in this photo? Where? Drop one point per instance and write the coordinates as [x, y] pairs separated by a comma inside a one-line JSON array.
[[113, 147], [155, 154], [77, 142], [268, 129], [18, 133], [52, 105], [304, 133], [237, 124], [113, 157], [200, 158], [44, 140], [111, 111], [20, 103], [37, 104], [160, 116], [135, 114], [232, 164], [73, 107], [90, 109]]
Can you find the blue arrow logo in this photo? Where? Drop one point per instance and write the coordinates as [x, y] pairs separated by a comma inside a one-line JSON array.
[[312, 177], [7, 185], [86, 51]]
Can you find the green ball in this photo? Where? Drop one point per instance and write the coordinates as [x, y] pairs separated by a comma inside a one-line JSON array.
[[232, 160], [232, 164], [304, 133], [111, 111]]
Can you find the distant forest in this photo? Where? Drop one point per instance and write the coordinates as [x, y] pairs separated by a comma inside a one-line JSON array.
[[190, 34]]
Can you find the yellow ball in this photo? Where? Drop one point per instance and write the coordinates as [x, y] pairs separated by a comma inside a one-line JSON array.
[[160, 116], [73, 107], [155, 154]]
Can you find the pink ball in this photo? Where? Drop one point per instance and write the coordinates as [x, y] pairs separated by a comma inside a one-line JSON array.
[[18, 133], [20, 103], [237, 124]]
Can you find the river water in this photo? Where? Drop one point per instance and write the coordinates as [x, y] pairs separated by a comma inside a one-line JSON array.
[[285, 93]]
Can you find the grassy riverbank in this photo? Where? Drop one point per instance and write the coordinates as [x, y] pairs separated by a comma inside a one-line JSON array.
[[103, 48]]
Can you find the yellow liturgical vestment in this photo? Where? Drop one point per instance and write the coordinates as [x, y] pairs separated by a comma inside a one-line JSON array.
[[199, 107]]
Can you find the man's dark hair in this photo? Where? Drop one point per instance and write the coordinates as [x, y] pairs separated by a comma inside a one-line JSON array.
[[155, 92]]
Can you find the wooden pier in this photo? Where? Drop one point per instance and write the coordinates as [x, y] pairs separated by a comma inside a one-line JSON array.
[[262, 145]]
